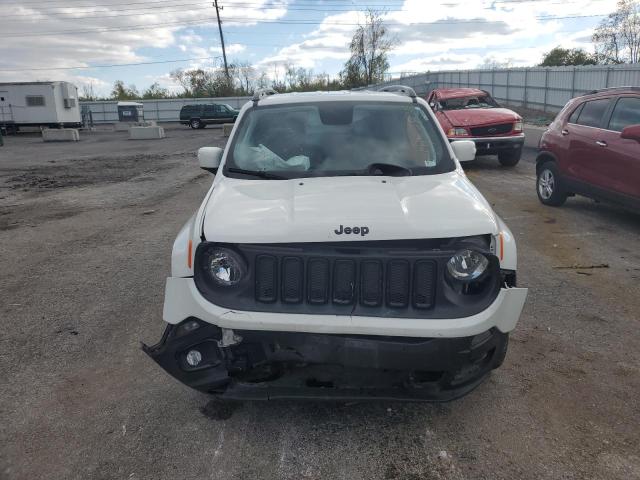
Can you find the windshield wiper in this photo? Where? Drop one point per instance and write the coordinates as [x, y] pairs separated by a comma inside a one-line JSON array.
[[388, 169], [257, 173]]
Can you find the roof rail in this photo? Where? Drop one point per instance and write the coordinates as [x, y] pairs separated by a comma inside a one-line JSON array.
[[401, 89], [610, 89], [260, 93]]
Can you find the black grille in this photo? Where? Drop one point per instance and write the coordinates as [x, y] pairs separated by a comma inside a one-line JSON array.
[[423, 284], [318, 281], [292, 275], [398, 284], [386, 279], [266, 278], [491, 130], [371, 283], [343, 281]]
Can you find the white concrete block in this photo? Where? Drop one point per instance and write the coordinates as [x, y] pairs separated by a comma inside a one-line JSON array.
[[146, 133], [226, 129], [60, 135], [126, 126]]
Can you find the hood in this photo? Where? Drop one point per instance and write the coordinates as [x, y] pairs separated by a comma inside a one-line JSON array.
[[473, 117], [313, 209]]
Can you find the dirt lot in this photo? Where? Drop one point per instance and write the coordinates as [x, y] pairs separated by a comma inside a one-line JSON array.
[[85, 239]]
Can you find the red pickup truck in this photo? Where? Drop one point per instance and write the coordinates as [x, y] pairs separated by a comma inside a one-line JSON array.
[[472, 114]]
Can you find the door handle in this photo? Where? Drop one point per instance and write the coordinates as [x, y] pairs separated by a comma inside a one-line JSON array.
[[564, 131], [601, 143]]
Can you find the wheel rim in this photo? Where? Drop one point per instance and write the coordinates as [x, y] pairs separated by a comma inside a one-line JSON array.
[[546, 184], [195, 123]]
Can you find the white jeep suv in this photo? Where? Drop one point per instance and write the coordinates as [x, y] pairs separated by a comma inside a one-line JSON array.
[[340, 253]]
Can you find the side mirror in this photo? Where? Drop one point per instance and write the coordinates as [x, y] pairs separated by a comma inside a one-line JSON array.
[[433, 106], [464, 150], [632, 132], [209, 158]]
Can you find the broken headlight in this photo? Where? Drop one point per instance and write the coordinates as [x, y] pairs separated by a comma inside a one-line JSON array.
[[467, 265], [224, 266]]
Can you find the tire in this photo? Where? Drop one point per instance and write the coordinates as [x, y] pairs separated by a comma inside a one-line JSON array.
[[548, 186], [195, 123], [510, 159]]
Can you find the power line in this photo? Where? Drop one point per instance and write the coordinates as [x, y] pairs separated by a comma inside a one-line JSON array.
[[109, 29], [58, 4], [141, 14], [280, 22], [241, 6], [155, 11], [258, 6], [91, 67], [96, 5]]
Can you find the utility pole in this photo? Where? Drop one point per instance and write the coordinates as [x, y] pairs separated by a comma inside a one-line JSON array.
[[224, 53]]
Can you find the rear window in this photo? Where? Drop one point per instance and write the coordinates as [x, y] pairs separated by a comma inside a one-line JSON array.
[[338, 138], [626, 112], [592, 113], [472, 101]]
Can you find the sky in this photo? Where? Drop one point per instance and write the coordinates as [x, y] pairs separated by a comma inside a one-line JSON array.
[[95, 42]]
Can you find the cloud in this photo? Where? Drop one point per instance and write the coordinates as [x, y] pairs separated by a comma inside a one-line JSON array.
[[40, 37], [440, 34], [231, 49]]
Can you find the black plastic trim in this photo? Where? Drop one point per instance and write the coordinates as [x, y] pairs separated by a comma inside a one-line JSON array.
[[320, 261], [278, 365]]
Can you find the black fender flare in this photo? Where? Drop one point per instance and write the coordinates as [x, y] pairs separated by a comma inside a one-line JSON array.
[[543, 157]]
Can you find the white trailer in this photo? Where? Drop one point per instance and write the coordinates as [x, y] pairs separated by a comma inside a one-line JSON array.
[[39, 104]]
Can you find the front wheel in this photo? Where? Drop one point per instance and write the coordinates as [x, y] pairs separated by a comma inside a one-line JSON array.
[[510, 159], [195, 123], [548, 185]]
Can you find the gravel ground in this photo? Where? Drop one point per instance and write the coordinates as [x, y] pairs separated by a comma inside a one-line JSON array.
[[85, 237]]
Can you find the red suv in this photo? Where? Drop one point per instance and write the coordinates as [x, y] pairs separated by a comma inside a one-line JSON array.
[[472, 114], [593, 148]]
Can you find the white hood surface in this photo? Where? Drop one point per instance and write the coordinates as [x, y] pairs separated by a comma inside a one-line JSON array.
[[311, 209]]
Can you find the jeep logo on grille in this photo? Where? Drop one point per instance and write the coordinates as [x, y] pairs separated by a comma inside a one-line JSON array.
[[492, 130], [362, 231]]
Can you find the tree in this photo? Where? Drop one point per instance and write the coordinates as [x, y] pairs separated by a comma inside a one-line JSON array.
[[88, 93], [562, 57], [263, 80], [246, 75], [369, 48], [198, 81], [181, 78], [221, 85], [155, 91], [491, 62], [122, 92], [617, 38]]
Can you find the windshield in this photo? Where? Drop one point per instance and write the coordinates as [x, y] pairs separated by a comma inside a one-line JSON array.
[[338, 138], [472, 101]]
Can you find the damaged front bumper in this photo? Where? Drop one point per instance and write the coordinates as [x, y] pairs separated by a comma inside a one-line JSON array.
[[252, 364]]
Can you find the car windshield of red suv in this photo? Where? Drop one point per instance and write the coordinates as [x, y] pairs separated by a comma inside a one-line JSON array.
[[472, 101]]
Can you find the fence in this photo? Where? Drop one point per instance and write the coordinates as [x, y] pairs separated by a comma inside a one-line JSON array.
[[158, 110], [539, 88]]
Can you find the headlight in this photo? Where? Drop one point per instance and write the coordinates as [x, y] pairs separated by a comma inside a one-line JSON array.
[[517, 127], [467, 265], [457, 132], [225, 267]]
